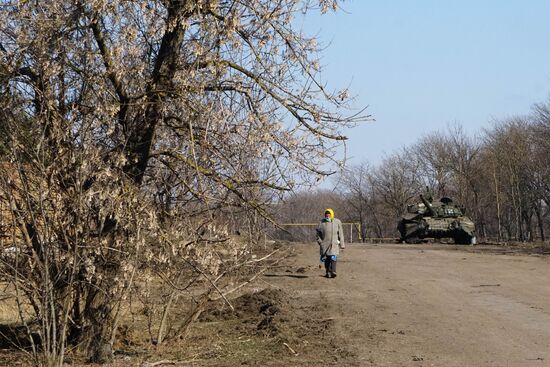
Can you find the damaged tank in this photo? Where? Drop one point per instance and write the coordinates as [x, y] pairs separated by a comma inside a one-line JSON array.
[[441, 219]]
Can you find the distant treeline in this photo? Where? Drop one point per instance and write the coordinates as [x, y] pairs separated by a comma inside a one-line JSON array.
[[501, 176]]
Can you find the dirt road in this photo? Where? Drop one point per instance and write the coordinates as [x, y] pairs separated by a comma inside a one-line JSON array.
[[431, 305]]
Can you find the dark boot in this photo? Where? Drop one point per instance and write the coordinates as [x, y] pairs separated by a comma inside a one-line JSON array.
[[327, 267]]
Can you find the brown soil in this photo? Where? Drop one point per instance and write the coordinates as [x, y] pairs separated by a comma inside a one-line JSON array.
[[391, 305], [438, 305]]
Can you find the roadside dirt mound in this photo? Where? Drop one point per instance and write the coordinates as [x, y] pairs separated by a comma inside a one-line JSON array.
[[270, 328], [266, 309]]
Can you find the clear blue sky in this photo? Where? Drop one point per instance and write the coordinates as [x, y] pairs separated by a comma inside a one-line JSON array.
[[424, 64]]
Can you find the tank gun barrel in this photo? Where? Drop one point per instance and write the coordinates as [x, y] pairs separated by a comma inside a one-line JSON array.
[[429, 208]]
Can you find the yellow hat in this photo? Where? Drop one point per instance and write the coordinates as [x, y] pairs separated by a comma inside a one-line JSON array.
[[331, 212]]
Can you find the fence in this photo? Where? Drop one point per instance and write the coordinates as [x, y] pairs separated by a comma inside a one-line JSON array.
[[354, 227]]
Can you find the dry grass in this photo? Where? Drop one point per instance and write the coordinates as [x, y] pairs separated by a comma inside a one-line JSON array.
[[267, 328]]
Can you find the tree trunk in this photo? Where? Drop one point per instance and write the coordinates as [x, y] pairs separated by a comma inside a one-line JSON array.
[[540, 221], [101, 349], [497, 199], [162, 327], [99, 315]]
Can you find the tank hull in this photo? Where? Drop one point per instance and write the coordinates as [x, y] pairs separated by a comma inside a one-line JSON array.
[[430, 221]]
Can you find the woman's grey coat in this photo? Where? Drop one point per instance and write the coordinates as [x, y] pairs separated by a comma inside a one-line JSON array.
[[330, 237]]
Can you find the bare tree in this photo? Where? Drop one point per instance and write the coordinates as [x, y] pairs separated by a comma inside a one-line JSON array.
[[431, 159], [123, 118], [396, 182], [357, 190], [541, 162], [509, 145], [463, 162]]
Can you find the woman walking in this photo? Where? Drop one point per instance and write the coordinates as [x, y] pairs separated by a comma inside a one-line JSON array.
[[330, 237]]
